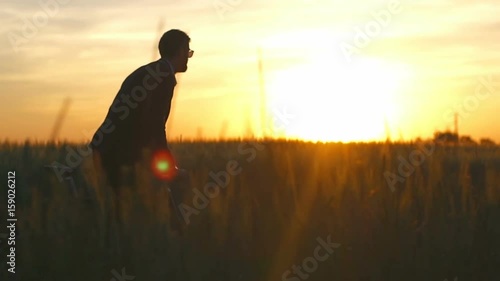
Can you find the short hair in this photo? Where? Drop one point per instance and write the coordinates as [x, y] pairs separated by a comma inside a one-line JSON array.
[[172, 41]]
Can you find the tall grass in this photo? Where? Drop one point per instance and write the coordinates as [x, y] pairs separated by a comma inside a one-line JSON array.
[[442, 221]]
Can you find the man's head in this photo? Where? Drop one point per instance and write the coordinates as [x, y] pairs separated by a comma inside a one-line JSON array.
[[174, 46]]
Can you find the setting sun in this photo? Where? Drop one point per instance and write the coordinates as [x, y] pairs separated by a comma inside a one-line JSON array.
[[333, 102]]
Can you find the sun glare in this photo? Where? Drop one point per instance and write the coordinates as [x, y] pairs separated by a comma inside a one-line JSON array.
[[326, 101]]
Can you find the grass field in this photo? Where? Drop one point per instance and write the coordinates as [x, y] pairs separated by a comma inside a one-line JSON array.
[[436, 218]]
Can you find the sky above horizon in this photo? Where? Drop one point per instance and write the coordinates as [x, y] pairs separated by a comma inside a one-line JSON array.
[[341, 71]]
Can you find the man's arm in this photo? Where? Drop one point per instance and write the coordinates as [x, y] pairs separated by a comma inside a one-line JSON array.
[[157, 111]]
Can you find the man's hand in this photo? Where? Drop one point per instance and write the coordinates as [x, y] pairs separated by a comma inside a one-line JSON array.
[[181, 174]]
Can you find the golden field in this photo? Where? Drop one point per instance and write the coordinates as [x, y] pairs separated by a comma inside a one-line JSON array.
[[439, 220]]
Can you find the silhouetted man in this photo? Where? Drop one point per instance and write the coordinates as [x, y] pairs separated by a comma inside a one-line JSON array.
[[136, 120]]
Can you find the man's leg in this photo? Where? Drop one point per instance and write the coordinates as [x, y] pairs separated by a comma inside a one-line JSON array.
[[105, 169], [178, 189], [109, 173]]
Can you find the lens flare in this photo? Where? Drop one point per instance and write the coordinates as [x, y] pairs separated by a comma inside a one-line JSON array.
[[163, 165]]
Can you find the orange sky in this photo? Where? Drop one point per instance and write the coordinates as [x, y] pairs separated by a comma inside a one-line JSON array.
[[420, 62]]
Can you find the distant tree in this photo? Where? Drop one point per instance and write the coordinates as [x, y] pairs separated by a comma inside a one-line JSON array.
[[445, 137], [467, 140], [487, 142]]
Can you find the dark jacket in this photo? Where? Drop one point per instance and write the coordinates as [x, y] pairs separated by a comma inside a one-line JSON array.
[[137, 117]]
